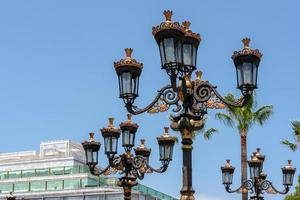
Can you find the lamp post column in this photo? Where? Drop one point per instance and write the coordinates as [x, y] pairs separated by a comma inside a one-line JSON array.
[[187, 191]]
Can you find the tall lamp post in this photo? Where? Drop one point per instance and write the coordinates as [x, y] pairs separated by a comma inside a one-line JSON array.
[[178, 47], [132, 166], [258, 182]]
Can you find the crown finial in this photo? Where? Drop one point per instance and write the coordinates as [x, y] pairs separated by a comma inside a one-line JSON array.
[[186, 25], [199, 74], [166, 130], [129, 116], [246, 42], [91, 135], [111, 122], [128, 52], [228, 163], [143, 142], [168, 15]]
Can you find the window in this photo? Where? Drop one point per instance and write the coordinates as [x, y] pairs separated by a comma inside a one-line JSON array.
[[57, 171], [38, 186], [55, 185], [21, 187], [71, 184], [89, 182], [42, 172], [3, 175], [6, 188], [14, 174], [28, 173]]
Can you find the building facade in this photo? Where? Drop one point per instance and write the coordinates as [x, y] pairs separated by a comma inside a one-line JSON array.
[[58, 172]]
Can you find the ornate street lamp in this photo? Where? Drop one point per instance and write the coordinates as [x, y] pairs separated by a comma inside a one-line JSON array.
[[178, 46], [132, 166], [258, 182]]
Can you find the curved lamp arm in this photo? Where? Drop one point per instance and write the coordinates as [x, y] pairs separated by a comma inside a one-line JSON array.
[[249, 185], [265, 185], [204, 91], [166, 96], [114, 162], [160, 170]]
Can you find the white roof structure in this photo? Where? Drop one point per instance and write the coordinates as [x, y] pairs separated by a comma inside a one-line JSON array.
[[52, 154]]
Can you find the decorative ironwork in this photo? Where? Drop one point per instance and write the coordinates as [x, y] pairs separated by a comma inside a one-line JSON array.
[[161, 103]]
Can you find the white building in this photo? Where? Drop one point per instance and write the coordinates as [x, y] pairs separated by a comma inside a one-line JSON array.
[[58, 172]]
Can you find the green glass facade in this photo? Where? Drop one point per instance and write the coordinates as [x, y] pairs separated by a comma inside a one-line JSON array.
[[65, 183]]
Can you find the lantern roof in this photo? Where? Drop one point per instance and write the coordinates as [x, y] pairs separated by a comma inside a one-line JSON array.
[[128, 60], [246, 50], [227, 166], [289, 167], [91, 140], [166, 136], [190, 33], [129, 123], [110, 128], [167, 24], [142, 148]]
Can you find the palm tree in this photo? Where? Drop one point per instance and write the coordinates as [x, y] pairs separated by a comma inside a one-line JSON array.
[[243, 119], [296, 135]]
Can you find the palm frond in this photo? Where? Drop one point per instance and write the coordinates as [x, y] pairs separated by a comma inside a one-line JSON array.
[[209, 133], [263, 114], [226, 119], [296, 127], [291, 145]]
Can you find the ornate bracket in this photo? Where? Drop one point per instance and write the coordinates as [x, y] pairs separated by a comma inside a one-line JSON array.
[[161, 103], [258, 187], [205, 92]]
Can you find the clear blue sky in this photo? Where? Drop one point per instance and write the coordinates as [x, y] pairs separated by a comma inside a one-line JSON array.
[[57, 79]]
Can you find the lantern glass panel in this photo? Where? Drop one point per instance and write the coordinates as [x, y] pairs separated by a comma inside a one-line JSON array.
[[126, 83], [187, 54], [194, 56], [95, 157], [169, 50], [162, 53], [166, 152], [247, 73], [254, 171], [114, 143], [128, 138], [107, 145], [288, 178], [227, 177], [89, 156]]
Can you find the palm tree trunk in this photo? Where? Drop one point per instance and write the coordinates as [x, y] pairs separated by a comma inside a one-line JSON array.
[[244, 162]]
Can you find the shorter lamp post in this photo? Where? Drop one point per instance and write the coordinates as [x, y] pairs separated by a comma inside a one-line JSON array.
[[258, 182], [132, 166]]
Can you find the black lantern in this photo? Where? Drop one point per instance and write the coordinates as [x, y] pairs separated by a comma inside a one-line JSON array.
[[227, 173], [246, 62], [166, 144], [169, 36], [111, 135], [288, 174], [91, 148], [255, 166], [189, 49], [128, 71], [142, 150], [128, 129]]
